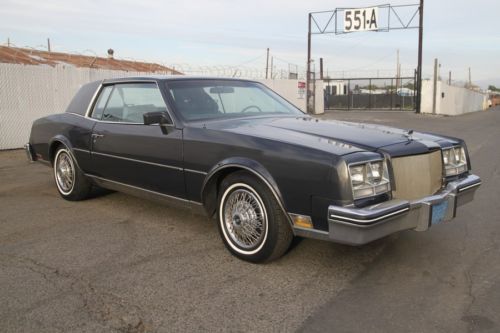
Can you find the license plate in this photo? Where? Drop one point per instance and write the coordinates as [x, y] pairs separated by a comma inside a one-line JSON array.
[[439, 212]]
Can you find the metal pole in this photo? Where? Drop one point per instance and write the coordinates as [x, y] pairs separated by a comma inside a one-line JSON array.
[[402, 97], [271, 68], [308, 78], [470, 79], [434, 91], [48, 44], [392, 93], [414, 101], [349, 94], [449, 78], [420, 45], [321, 68], [397, 68], [370, 94], [267, 62]]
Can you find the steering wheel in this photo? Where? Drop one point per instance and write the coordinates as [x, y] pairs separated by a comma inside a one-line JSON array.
[[250, 107]]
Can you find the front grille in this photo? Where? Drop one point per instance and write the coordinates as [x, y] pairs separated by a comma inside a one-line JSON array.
[[417, 176]]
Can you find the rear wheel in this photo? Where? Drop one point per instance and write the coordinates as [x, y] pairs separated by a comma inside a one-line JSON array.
[[70, 180], [251, 222]]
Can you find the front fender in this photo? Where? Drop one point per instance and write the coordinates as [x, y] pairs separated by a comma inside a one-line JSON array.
[[221, 169]]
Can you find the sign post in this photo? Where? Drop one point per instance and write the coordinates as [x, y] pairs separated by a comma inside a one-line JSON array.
[[364, 19]]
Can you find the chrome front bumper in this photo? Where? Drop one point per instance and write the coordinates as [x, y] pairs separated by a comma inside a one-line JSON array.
[[356, 226]]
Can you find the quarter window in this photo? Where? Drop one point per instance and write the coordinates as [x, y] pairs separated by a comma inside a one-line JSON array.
[[129, 101], [101, 102]]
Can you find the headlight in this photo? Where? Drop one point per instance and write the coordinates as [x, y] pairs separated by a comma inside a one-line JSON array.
[[454, 160], [369, 179]]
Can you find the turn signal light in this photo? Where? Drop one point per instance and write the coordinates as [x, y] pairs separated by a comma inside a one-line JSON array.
[[301, 221]]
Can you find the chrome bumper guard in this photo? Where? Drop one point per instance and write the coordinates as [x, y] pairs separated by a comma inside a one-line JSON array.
[[357, 226], [29, 152]]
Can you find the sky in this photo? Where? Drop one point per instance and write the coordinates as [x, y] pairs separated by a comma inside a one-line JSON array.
[[461, 34]]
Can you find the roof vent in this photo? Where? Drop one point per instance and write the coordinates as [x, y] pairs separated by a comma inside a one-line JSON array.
[[110, 53]]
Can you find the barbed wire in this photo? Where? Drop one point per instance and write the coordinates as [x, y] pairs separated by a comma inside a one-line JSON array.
[[281, 69]]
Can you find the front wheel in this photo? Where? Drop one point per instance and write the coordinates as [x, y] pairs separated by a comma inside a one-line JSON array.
[[70, 180], [251, 222]]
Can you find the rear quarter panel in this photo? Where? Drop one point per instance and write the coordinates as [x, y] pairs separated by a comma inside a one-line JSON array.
[[72, 130]]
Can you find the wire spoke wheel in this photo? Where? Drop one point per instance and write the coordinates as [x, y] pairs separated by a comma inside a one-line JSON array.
[[64, 172], [245, 218]]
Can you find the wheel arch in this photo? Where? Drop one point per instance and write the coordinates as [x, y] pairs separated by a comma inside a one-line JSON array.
[[222, 169], [57, 141]]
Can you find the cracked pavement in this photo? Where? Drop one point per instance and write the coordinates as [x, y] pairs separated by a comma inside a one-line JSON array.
[[116, 263]]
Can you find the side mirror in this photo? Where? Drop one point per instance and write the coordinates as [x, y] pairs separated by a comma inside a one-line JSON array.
[[161, 118]]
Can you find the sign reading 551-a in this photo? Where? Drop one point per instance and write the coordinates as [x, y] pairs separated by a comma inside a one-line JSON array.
[[360, 19]]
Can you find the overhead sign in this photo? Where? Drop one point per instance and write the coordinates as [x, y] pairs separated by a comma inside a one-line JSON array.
[[361, 19]]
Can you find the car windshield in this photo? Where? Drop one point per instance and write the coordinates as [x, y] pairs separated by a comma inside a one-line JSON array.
[[212, 99]]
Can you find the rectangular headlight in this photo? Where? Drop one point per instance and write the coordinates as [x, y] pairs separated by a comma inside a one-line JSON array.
[[454, 161], [369, 179]]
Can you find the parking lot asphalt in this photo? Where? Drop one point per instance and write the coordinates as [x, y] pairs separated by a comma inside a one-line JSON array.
[[119, 263]]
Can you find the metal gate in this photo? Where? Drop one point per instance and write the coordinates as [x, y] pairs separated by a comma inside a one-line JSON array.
[[396, 93]]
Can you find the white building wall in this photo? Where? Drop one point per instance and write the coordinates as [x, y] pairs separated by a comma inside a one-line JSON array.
[[289, 89], [456, 100]]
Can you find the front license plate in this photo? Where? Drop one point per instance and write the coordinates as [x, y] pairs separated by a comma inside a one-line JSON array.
[[439, 212]]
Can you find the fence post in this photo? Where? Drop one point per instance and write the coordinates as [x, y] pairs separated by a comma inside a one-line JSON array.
[[434, 91]]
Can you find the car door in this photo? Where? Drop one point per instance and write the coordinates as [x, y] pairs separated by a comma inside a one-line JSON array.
[[126, 151]]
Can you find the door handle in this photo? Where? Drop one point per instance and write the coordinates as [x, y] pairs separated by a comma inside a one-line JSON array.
[[96, 136]]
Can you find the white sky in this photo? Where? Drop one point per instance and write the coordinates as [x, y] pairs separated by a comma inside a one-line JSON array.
[[460, 33]]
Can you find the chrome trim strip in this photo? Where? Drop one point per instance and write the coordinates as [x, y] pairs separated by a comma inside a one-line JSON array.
[[312, 230], [311, 233], [139, 161], [333, 216], [469, 187], [112, 122], [196, 171], [75, 114], [92, 101], [145, 190], [82, 150]]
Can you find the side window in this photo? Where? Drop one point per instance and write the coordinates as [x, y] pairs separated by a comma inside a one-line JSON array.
[[101, 102], [129, 101]]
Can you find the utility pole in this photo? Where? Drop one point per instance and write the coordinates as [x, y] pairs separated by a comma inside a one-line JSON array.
[[434, 91], [420, 45], [48, 44], [470, 79], [308, 74], [271, 68], [398, 71], [267, 62], [321, 68]]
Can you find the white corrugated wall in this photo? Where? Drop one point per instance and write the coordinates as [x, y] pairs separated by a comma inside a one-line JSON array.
[[29, 92]]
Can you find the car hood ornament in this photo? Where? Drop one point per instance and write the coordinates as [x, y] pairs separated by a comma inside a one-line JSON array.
[[409, 135]]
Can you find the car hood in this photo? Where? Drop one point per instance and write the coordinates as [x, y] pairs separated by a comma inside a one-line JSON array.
[[347, 136]]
